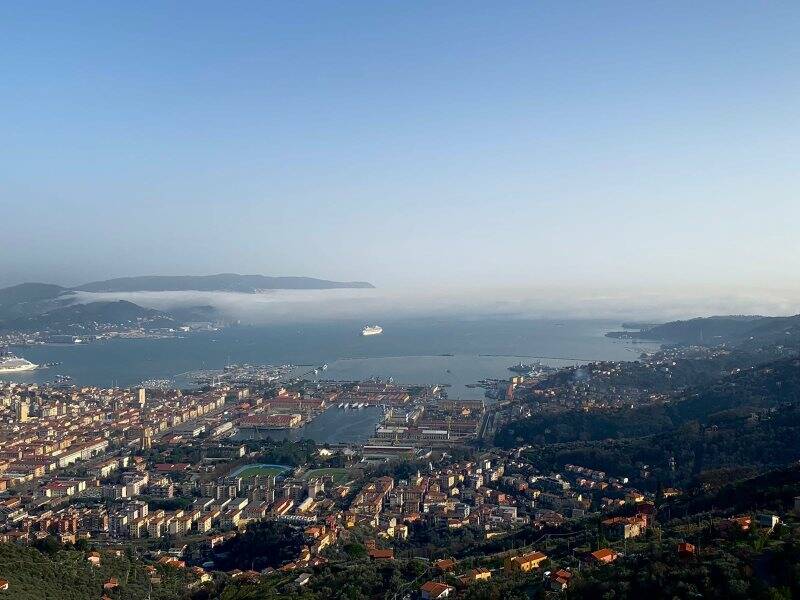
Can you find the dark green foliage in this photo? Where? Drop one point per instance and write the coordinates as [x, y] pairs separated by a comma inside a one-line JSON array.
[[763, 387], [403, 469], [736, 448], [727, 569], [501, 588], [262, 545], [282, 452], [751, 419], [746, 330], [441, 542], [360, 580], [355, 550], [773, 491], [66, 575]]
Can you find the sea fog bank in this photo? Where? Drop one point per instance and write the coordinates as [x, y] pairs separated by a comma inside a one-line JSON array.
[[371, 305]]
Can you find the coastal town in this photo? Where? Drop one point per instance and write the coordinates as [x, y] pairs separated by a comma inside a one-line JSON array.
[[75, 333], [400, 301], [85, 464], [180, 476]]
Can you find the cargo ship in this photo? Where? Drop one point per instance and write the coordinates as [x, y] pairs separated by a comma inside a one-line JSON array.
[[372, 330]]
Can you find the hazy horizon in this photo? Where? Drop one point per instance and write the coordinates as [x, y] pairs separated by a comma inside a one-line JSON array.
[[601, 151], [656, 303], [380, 304]]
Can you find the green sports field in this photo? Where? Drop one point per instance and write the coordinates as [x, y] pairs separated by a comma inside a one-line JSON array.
[[259, 471]]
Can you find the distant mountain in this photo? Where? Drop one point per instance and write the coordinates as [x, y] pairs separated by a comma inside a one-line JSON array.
[[188, 314], [746, 330], [28, 299], [29, 292], [224, 282], [43, 306], [78, 317]]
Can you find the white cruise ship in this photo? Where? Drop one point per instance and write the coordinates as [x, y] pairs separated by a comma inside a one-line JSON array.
[[372, 330], [13, 364]]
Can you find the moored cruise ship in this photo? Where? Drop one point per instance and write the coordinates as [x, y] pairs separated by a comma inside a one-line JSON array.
[[372, 330], [13, 364]]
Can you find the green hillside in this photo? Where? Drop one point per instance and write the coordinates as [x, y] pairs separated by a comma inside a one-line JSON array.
[[67, 575]]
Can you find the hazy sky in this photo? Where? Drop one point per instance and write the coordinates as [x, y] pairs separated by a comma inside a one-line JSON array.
[[580, 144]]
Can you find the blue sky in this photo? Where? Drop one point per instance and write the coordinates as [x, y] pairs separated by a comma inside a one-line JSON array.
[[411, 144]]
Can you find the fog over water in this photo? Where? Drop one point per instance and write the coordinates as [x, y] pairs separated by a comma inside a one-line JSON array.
[[375, 304], [454, 338]]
